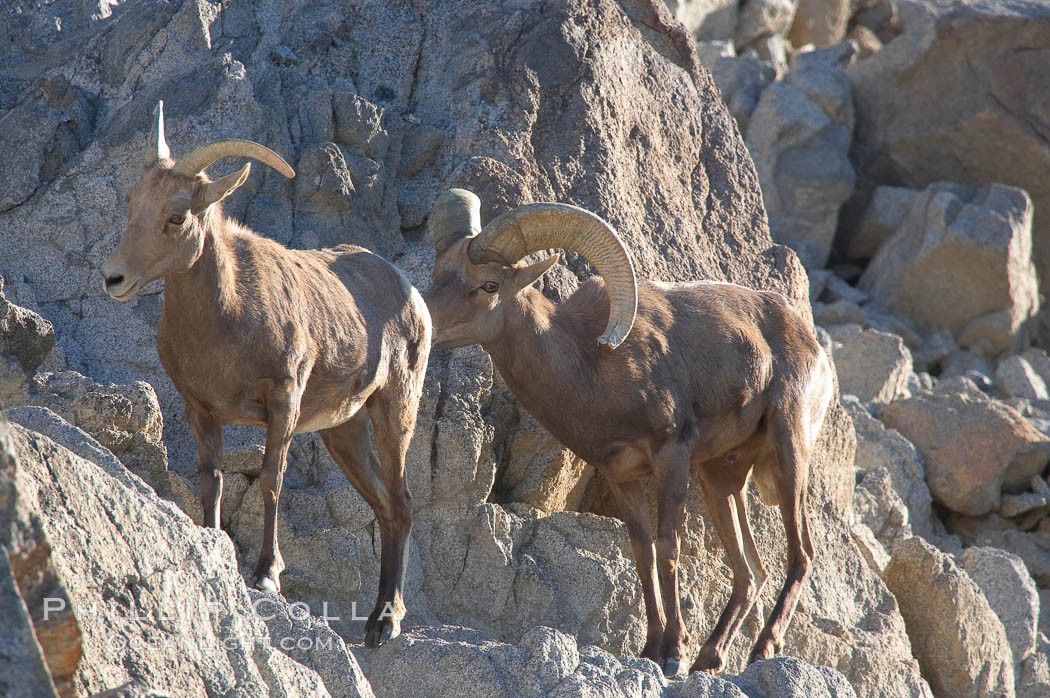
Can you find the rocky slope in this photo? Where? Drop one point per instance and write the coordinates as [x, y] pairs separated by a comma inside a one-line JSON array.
[[926, 204], [520, 578], [163, 610]]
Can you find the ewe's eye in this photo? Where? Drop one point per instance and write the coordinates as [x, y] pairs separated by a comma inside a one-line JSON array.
[[490, 286], [177, 219]]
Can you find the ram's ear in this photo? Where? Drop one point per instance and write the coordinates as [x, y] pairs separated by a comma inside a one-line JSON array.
[[525, 276], [208, 194]]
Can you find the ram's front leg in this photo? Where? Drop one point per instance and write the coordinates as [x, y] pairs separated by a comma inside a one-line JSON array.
[[282, 407]]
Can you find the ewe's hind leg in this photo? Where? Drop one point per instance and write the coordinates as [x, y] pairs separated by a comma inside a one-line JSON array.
[[352, 448], [790, 474], [393, 412], [723, 483], [671, 474], [635, 509]]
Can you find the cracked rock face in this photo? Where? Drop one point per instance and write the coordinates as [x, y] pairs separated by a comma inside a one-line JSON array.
[[598, 104]]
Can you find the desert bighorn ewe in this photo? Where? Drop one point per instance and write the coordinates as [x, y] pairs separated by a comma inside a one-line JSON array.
[[292, 341], [724, 379]]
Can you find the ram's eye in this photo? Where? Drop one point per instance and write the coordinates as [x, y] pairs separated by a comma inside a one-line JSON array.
[[490, 286], [177, 219]]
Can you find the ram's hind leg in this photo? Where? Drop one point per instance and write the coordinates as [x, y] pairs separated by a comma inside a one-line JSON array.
[[790, 473], [723, 481]]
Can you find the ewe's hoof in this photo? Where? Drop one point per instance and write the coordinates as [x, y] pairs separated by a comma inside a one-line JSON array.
[[382, 631], [266, 584]]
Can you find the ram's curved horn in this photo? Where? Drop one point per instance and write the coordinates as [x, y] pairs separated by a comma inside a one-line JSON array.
[[541, 226], [196, 161], [457, 214]]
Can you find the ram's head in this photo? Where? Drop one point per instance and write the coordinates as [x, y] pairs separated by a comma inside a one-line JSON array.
[[477, 270]]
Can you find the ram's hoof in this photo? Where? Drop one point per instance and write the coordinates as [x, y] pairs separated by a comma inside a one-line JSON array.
[[670, 666], [708, 662]]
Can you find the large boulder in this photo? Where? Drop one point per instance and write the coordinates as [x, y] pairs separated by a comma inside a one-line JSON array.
[[975, 448], [799, 136], [962, 261], [41, 647], [870, 364], [1011, 593], [957, 638], [599, 104], [879, 448], [994, 531], [24, 334], [962, 95], [820, 22]]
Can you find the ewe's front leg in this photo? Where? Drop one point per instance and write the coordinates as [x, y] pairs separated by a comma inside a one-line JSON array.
[[208, 434], [282, 406]]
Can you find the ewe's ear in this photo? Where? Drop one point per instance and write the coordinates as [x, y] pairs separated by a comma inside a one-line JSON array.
[[524, 276], [220, 189]]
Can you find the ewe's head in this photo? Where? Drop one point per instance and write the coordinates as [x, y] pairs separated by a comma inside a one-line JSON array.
[[169, 206], [477, 272]]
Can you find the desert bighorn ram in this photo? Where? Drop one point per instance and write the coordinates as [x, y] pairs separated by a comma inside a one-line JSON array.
[[289, 340], [713, 376]]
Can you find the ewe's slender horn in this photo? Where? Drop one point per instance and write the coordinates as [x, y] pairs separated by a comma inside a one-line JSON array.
[[540, 226], [158, 147], [457, 214], [200, 158]]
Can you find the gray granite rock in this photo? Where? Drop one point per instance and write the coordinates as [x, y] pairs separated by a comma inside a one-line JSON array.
[[956, 636], [1011, 592]]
